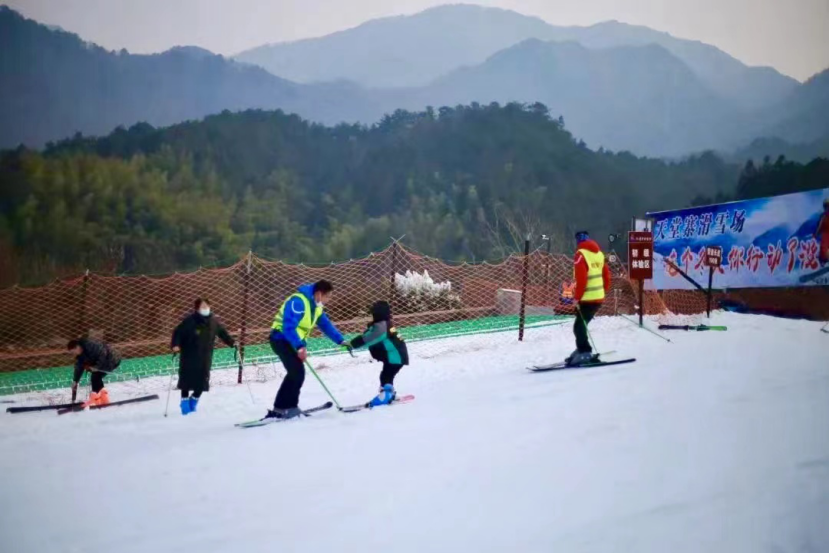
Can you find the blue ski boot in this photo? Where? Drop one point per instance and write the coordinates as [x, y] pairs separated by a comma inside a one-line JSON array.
[[194, 401], [385, 396], [185, 405]]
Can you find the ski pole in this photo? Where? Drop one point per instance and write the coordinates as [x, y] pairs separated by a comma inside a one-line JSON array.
[[320, 380], [635, 323], [238, 354], [170, 384]]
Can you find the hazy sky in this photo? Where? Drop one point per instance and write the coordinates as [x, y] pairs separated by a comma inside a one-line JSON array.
[[791, 36]]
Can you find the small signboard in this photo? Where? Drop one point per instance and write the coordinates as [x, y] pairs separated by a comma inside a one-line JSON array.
[[640, 255], [714, 256]]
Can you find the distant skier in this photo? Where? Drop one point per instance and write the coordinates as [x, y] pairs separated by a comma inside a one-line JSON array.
[[194, 340], [385, 346], [821, 235], [297, 317], [593, 280], [100, 360]]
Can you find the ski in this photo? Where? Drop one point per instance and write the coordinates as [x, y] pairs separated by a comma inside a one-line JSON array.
[[589, 365], [263, 422], [814, 275], [41, 407], [364, 406], [699, 328], [80, 407]]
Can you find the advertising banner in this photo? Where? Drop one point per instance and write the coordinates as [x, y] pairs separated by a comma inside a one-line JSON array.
[[766, 242]]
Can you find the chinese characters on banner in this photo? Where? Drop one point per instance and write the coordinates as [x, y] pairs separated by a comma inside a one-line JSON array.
[[640, 255], [766, 242]]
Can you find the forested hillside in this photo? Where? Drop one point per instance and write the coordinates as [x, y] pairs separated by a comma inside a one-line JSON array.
[[460, 183]]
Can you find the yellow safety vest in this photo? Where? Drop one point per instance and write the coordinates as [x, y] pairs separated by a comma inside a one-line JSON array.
[[594, 289], [308, 321]]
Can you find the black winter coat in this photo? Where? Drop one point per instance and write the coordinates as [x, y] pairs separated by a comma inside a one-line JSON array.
[[97, 355], [195, 336]]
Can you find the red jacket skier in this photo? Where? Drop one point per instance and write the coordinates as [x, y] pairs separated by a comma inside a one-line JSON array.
[[593, 280]]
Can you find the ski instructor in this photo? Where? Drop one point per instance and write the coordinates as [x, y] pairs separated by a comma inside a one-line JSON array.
[[593, 279], [297, 317]]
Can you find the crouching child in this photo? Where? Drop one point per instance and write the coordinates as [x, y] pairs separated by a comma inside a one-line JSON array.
[[386, 346]]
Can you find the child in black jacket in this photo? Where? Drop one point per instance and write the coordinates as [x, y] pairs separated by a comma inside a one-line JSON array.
[[385, 346]]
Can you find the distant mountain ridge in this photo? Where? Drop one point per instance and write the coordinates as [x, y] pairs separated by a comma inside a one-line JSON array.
[[55, 84], [414, 50], [642, 98], [633, 97]]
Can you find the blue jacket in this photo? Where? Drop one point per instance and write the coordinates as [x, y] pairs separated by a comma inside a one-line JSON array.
[[293, 314]]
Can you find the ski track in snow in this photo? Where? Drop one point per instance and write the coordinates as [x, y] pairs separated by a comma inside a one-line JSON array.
[[717, 441]]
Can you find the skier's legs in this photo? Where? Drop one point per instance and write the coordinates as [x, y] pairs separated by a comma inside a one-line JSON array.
[[387, 375], [584, 316], [96, 380], [288, 395]]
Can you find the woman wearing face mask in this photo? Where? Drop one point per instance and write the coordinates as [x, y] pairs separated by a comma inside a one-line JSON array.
[[193, 339]]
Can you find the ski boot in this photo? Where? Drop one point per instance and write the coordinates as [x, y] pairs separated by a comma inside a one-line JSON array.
[[194, 401], [103, 397], [289, 413], [571, 356], [581, 358], [386, 395], [91, 400], [185, 405]]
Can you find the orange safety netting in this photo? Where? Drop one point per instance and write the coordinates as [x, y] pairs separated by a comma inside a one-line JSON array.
[[430, 300]]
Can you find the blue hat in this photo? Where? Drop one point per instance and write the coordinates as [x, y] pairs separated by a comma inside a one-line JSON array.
[[581, 236]]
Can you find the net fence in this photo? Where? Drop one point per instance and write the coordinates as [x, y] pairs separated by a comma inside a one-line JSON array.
[[431, 300]]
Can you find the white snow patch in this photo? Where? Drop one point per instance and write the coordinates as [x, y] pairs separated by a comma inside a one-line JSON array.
[[717, 441]]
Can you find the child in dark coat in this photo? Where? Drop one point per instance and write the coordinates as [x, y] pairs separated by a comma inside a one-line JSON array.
[[386, 346]]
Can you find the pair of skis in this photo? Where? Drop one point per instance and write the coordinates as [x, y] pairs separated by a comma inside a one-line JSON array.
[[63, 408], [81, 407], [323, 407], [594, 362]]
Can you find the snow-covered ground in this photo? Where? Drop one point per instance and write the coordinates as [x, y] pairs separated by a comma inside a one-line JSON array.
[[717, 441]]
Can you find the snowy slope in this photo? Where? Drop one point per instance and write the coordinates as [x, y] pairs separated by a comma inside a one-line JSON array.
[[715, 442]]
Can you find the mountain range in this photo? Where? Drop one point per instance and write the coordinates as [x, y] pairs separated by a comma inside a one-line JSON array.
[[406, 51], [617, 86]]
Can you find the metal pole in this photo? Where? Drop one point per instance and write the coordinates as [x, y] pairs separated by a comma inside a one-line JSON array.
[[547, 273], [84, 293], [393, 272], [642, 306], [709, 293], [243, 333], [525, 275]]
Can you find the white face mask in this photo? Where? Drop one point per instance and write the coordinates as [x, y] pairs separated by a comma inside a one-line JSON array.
[[204, 312]]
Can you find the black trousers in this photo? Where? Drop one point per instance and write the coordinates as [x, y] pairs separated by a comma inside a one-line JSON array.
[[583, 317], [289, 393], [96, 380], [197, 393], [96, 377], [387, 375]]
